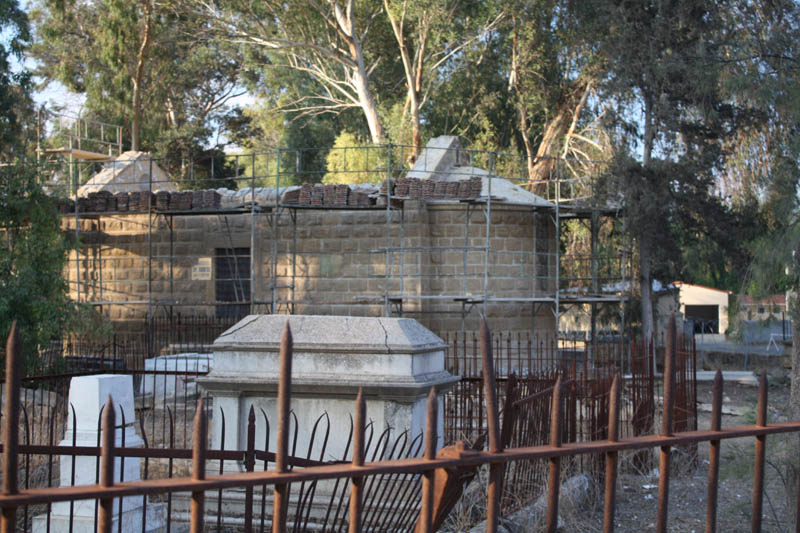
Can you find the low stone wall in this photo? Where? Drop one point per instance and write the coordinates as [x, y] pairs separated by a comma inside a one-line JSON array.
[[336, 269]]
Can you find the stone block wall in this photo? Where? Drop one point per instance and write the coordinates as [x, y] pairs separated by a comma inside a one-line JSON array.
[[339, 266]]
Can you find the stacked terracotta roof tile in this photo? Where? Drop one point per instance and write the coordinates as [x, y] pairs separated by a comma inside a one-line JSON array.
[[318, 195], [139, 201], [315, 195], [428, 189]]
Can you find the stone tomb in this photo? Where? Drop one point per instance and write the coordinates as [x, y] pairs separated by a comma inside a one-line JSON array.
[[88, 395], [395, 360]]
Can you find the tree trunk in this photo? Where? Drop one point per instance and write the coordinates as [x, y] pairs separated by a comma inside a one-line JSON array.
[[645, 290], [540, 165], [794, 401], [367, 102], [416, 133], [141, 59], [794, 398], [346, 21], [645, 275], [412, 79]]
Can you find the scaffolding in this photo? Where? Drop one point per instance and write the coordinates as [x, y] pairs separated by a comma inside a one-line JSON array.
[[602, 279], [607, 280]]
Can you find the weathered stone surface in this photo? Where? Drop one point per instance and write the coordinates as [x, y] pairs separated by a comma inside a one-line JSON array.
[[395, 361], [88, 396], [346, 255]]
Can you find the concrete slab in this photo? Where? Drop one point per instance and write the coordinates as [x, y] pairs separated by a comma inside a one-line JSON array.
[[730, 376]]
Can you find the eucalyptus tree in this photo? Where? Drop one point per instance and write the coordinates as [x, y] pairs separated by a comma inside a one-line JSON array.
[[14, 83], [147, 64], [552, 70], [323, 41], [662, 65], [429, 35], [763, 76]]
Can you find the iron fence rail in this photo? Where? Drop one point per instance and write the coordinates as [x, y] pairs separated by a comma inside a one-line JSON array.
[[358, 469]]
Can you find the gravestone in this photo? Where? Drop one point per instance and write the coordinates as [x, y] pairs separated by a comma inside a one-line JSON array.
[[88, 396], [395, 361]]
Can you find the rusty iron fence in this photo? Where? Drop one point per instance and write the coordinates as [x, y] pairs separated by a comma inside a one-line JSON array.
[[536, 363], [527, 369], [440, 477], [164, 389], [171, 333], [165, 359]]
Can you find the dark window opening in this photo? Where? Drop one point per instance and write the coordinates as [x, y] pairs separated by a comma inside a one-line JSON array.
[[704, 317], [232, 282]]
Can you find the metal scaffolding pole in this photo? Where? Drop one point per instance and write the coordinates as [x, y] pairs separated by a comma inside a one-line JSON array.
[[253, 254], [388, 256]]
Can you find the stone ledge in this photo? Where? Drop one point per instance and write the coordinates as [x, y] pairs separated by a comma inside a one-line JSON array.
[[238, 385], [330, 334]]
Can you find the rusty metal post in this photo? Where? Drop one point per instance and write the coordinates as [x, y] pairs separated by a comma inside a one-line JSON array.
[[249, 466], [611, 457], [797, 512], [761, 448], [713, 456], [431, 438], [357, 482], [493, 422], [281, 495], [107, 467], [554, 477], [666, 427], [199, 446], [11, 428]]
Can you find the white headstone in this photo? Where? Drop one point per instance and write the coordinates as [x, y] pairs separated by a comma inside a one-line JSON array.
[[88, 396]]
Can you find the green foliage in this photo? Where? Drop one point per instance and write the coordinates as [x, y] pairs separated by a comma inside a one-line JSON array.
[[15, 103], [95, 49], [32, 288], [352, 162]]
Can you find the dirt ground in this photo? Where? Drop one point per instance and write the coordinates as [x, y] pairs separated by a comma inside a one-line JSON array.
[[637, 490], [637, 487]]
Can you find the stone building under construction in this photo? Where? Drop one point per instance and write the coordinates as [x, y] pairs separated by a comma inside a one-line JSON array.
[[445, 243]]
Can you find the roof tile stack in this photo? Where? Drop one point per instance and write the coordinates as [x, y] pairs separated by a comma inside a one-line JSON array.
[[358, 199], [197, 200], [402, 187], [426, 189], [464, 191], [306, 191], [341, 195], [329, 195], [292, 196], [212, 200], [162, 200], [139, 201], [180, 201], [317, 195], [475, 187], [65, 206], [98, 201], [122, 201], [428, 186]]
